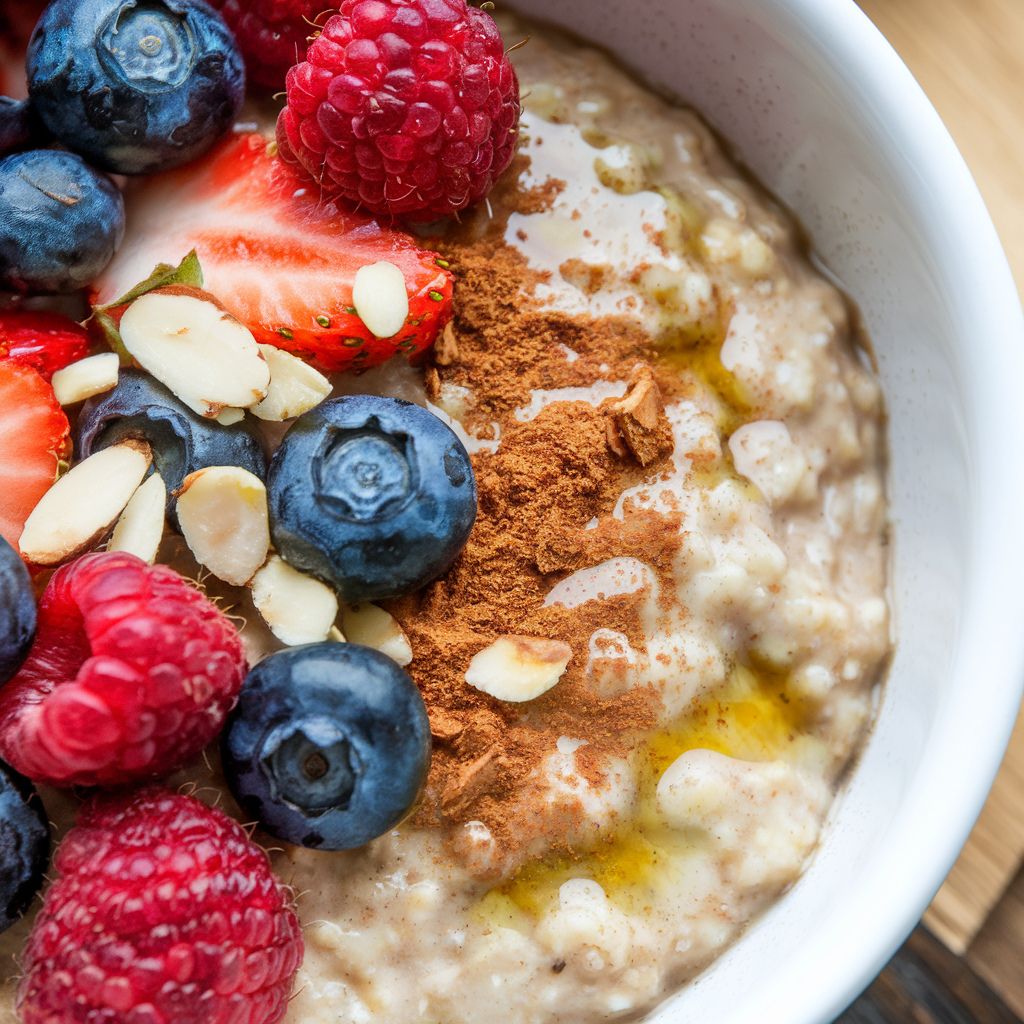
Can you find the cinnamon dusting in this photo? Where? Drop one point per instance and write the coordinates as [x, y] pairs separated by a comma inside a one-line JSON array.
[[549, 478]]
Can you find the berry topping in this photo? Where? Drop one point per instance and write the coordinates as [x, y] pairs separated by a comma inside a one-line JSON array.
[[135, 87], [280, 259], [17, 611], [164, 912], [46, 341], [329, 746], [272, 34], [33, 442], [376, 496], [132, 673], [182, 442], [404, 107], [24, 845], [60, 222]]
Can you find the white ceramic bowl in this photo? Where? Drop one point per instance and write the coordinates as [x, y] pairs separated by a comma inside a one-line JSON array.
[[821, 108]]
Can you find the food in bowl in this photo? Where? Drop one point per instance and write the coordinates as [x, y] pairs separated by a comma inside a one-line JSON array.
[[638, 575]]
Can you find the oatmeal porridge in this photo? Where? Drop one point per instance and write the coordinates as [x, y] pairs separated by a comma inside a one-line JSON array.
[[655, 658]]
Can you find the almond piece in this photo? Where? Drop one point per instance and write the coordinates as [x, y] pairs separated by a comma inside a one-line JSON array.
[[140, 529], [380, 298], [639, 423], [86, 378], [191, 344], [78, 510], [295, 387], [222, 512], [518, 668], [229, 417], [373, 627], [298, 608]]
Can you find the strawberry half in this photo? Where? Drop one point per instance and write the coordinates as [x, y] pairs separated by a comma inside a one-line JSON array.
[[45, 341], [33, 441], [277, 256]]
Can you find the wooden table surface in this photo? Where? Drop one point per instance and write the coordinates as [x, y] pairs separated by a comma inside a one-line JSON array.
[[969, 56]]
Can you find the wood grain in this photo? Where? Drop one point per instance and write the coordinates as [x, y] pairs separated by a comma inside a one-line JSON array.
[[969, 56], [927, 984], [997, 954]]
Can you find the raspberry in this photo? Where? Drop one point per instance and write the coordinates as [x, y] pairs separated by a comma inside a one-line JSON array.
[[132, 672], [164, 912], [404, 106], [272, 34]]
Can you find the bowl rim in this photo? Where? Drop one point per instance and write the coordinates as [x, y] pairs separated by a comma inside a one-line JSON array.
[[988, 668]]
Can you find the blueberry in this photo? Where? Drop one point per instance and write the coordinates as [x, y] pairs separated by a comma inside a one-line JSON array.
[[136, 86], [182, 441], [329, 746], [374, 495], [24, 845], [17, 611], [60, 222], [19, 126]]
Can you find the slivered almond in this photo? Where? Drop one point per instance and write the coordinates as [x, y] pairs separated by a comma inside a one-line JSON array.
[[222, 512], [519, 668], [373, 627], [295, 387], [190, 343], [298, 608], [380, 298], [86, 378], [76, 513], [140, 529]]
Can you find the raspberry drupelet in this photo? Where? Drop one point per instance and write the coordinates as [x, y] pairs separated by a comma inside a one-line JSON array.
[[405, 107], [163, 912], [272, 34], [133, 671]]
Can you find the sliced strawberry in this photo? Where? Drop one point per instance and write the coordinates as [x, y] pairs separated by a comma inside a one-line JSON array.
[[33, 440], [45, 341], [278, 257]]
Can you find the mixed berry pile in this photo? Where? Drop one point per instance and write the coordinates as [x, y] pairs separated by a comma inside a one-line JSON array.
[[173, 293]]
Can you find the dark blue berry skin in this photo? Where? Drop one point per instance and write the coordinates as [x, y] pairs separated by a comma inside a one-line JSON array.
[[329, 746], [19, 126], [135, 87], [376, 496], [182, 441], [60, 222], [24, 845], [17, 611]]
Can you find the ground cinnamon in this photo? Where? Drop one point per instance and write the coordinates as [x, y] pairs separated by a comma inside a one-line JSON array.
[[549, 478]]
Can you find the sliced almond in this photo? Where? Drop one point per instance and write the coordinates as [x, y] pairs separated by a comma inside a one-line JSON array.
[[297, 608], [78, 510], [373, 627], [295, 387], [222, 512], [140, 529], [86, 378], [519, 668], [229, 417], [380, 298], [638, 422], [190, 343]]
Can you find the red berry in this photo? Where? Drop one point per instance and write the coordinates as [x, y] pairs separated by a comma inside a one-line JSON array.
[[272, 34], [33, 440], [404, 106], [45, 341], [132, 672], [281, 259], [164, 912]]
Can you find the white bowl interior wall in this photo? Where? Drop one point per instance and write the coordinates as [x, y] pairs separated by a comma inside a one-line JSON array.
[[819, 106]]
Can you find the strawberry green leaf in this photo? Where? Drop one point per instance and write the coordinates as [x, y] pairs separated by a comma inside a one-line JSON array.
[[187, 272]]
